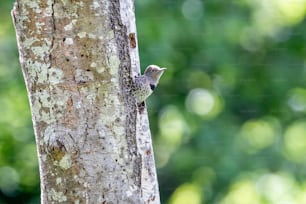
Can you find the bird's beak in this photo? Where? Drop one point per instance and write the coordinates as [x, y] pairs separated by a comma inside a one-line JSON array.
[[161, 70]]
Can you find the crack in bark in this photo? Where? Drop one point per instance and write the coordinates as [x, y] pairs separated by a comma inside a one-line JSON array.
[[52, 33], [126, 82]]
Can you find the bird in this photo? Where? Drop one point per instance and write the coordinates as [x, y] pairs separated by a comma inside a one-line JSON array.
[[145, 84]]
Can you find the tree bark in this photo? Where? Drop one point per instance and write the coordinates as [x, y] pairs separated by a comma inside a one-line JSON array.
[[78, 59]]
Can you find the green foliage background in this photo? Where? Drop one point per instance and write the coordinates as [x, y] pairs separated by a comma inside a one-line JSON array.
[[228, 118]]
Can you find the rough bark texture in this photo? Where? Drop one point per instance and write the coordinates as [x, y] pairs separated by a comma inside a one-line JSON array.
[[78, 58]]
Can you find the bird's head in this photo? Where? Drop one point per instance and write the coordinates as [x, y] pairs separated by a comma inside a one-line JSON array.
[[154, 72]]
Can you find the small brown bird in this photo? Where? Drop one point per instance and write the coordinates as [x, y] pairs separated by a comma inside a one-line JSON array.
[[145, 84]]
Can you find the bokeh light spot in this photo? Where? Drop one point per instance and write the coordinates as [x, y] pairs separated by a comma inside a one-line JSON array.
[[295, 141], [276, 187], [186, 193], [293, 11], [297, 99], [270, 188], [192, 9], [203, 102], [257, 134], [271, 16], [242, 192], [172, 127]]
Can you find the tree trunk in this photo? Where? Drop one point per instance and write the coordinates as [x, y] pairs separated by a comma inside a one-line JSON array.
[[78, 59]]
